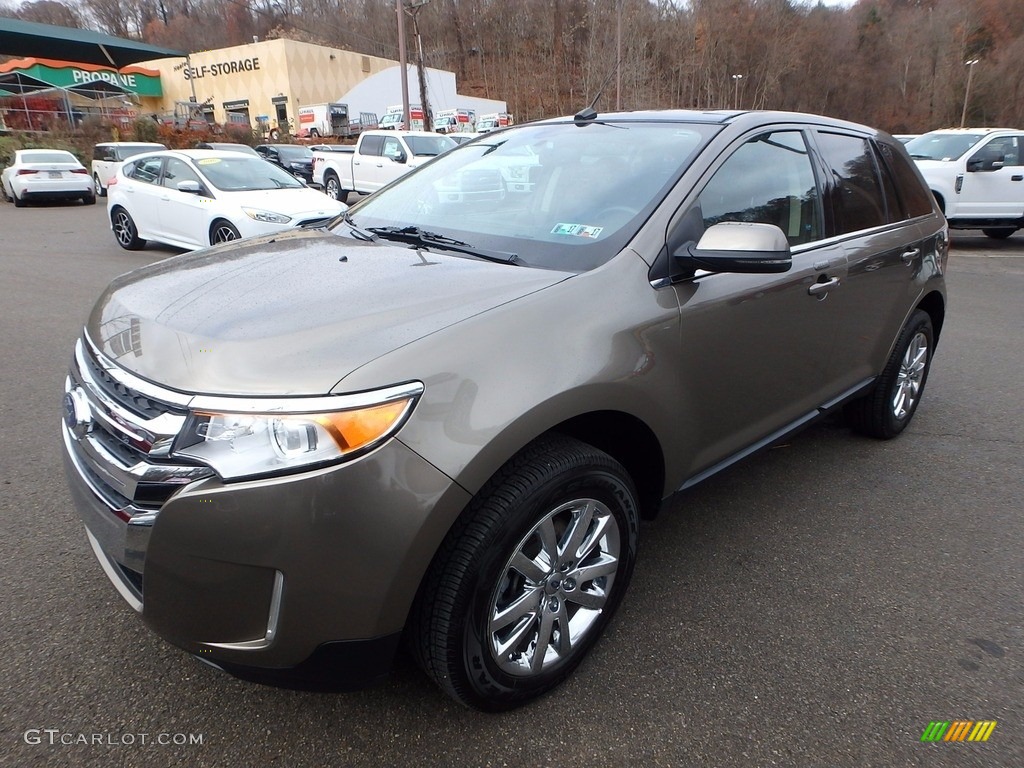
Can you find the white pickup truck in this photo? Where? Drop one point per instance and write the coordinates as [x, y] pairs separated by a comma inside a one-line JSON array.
[[380, 157], [976, 175]]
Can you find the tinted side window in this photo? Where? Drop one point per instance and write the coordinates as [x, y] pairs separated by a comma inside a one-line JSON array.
[[147, 170], [178, 170], [768, 180], [856, 193], [915, 198], [371, 145]]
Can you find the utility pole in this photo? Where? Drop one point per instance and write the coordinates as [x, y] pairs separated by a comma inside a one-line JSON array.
[[414, 11], [967, 94], [402, 63]]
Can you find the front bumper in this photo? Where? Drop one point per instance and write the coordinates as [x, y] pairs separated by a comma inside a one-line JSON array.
[[275, 573]]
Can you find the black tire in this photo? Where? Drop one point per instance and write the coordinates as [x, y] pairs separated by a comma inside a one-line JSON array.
[[1000, 233], [89, 199], [19, 202], [275, 134], [314, 133], [473, 581], [332, 187], [97, 188], [223, 231], [125, 231], [889, 407]]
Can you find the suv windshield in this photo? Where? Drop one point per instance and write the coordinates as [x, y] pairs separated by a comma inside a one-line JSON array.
[[236, 172], [942, 146], [557, 195]]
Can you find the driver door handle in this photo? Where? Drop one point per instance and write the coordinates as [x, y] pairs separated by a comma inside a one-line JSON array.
[[907, 257], [819, 288]]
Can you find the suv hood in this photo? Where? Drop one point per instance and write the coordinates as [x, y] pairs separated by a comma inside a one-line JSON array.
[[291, 313]]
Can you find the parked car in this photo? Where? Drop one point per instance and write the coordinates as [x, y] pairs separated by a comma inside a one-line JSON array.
[[294, 158], [444, 420], [225, 146], [199, 197], [976, 175], [45, 174], [108, 156]]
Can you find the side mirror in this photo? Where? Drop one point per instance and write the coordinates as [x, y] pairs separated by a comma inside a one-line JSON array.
[[191, 187], [984, 163], [734, 246]]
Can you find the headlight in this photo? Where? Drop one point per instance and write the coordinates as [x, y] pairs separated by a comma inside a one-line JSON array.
[[268, 216], [249, 437]]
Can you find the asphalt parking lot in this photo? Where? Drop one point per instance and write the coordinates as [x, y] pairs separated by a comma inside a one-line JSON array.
[[817, 605]]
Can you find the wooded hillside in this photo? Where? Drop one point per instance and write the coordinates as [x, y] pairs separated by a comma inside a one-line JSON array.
[[896, 64]]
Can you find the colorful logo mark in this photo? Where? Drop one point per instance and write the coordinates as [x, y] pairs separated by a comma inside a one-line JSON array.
[[958, 730]]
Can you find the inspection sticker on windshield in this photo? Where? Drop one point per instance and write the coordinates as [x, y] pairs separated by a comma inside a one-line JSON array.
[[576, 230], [209, 161]]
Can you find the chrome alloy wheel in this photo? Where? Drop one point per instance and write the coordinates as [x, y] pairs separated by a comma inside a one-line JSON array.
[[333, 189], [553, 589], [223, 232], [910, 376], [124, 229]]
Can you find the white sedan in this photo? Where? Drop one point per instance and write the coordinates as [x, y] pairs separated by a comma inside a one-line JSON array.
[[45, 174], [195, 198]]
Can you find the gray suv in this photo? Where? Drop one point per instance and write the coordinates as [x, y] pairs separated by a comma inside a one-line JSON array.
[[443, 417]]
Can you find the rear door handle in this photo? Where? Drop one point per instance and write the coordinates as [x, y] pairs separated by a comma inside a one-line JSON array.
[[820, 288], [1018, 177], [907, 257]]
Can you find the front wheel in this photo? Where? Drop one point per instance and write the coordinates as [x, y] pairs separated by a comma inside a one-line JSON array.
[[1000, 233], [222, 231], [529, 577], [889, 407]]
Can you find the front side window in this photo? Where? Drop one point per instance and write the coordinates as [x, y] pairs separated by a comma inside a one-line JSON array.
[[178, 171], [392, 149], [768, 180], [1005, 149], [855, 194], [147, 170]]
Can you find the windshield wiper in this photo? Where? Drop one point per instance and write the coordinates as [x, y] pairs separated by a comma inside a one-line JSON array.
[[417, 236], [922, 157], [359, 234]]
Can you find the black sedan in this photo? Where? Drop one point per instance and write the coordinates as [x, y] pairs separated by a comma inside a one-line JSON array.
[[297, 160]]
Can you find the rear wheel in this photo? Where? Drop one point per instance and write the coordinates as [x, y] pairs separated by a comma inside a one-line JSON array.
[[125, 230], [889, 407], [332, 188], [1000, 233], [529, 577], [19, 202], [89, 199], [97, 188], [314, 133], [222, 231]]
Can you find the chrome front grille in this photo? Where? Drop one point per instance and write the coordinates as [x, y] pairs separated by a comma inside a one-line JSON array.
[[118, 433]]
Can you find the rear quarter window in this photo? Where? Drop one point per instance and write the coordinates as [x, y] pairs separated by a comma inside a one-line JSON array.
[[915, 198]]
